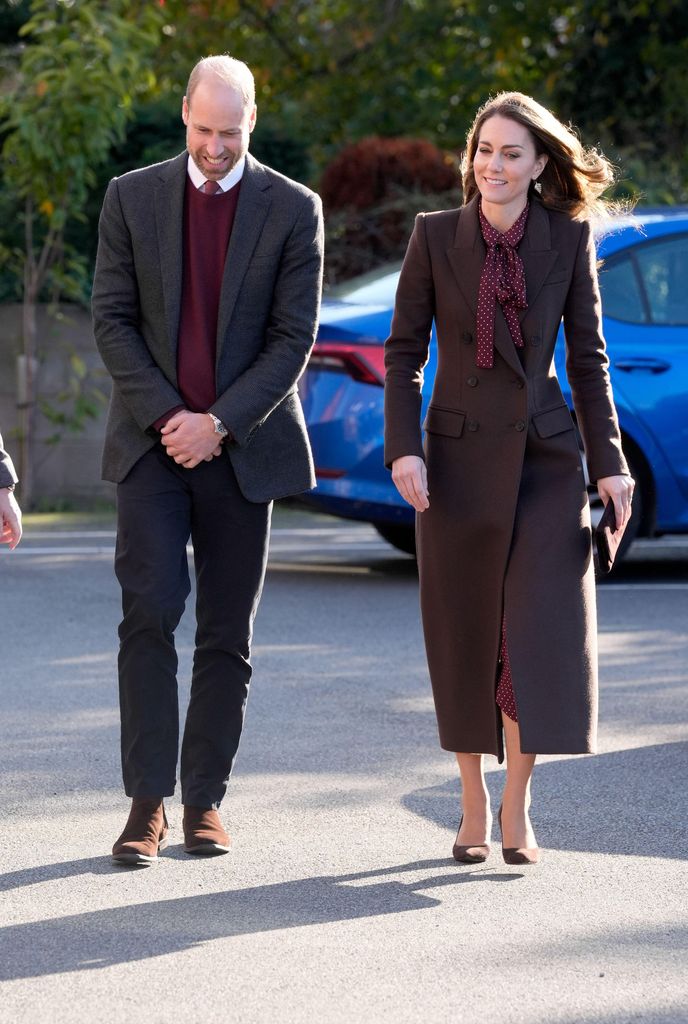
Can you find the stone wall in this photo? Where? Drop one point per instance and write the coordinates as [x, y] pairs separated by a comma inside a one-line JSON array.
[[66, 473]]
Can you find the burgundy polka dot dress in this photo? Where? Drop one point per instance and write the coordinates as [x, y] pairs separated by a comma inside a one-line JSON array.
[[505, 688], [503, 281]]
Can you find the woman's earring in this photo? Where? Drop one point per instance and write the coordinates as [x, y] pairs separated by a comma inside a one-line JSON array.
[[537, 185]]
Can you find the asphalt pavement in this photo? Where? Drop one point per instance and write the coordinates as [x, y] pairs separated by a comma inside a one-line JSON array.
[[339, 900]]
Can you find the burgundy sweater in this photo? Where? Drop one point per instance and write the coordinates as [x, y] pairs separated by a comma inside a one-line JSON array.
[[208, 222]]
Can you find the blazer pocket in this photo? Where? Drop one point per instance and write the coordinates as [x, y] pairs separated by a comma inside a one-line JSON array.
[[444, 421], [553, 421]]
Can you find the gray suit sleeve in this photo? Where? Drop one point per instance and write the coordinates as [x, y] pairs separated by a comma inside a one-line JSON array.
[[115, 302], [290, 334], [8, 475]]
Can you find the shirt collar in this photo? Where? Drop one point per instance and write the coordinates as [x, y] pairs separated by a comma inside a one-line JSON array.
[[229, 180]]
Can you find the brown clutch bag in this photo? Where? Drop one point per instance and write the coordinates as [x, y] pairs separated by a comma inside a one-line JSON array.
[[606, 540]]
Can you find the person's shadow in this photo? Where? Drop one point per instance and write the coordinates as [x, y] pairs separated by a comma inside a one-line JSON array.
[[144, 930], [629, 802]]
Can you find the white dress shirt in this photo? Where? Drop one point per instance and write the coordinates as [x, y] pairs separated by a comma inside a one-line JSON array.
[[229, 180]]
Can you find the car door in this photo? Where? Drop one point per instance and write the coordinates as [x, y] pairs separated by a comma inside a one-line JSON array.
[[645, 304]]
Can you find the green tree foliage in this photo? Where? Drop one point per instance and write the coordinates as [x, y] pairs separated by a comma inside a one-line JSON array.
[[394, 68], [618, 69], [67, 104], [623, 78]]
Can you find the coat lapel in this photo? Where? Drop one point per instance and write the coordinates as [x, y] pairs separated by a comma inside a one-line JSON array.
[[169, 220], [467, 258], [467, 255], [536, 253], [251, 214]]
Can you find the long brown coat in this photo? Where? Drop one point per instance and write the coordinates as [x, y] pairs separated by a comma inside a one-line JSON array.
[[508, 528]]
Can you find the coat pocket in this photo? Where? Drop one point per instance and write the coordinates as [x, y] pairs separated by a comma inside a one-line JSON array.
[[554, 421], [444, 421], [557, 278]]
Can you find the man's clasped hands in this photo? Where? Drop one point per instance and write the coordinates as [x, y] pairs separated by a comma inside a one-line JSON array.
[[190, 438]]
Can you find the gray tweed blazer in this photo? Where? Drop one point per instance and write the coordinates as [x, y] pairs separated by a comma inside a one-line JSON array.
[[267, 320]]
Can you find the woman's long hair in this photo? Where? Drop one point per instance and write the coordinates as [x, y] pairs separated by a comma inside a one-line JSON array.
[[574, 177]]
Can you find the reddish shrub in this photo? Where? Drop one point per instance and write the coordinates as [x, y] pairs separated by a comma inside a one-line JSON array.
[[366, 173]]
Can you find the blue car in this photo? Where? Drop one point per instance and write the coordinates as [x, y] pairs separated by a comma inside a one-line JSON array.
[[644, 285]]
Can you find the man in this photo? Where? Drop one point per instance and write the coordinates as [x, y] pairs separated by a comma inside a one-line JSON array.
[[10, 513], [205, 304]]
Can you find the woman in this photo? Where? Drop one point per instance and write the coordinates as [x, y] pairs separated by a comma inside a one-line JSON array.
[[503, 524]]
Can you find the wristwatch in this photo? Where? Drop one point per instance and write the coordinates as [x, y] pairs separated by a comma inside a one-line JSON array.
[[220, 428]]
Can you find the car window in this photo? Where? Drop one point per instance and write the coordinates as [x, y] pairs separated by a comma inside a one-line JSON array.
[[664, 270], [377, 288], [622, 297]]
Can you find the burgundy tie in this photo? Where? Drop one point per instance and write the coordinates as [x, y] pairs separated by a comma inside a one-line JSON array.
[[211, 188]]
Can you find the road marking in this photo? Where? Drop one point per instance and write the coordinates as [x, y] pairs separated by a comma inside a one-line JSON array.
[[28, 550], [285, 531], [321, 567], [312, 567], [641, 586], [67, 534]]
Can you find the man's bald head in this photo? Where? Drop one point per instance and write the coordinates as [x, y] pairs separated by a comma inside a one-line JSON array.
[[229, 70]]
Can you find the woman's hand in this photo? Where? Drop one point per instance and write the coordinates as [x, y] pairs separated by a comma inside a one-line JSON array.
[[410, 477], [618, 489]]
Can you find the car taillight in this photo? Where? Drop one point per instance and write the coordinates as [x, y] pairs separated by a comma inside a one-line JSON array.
[[365, 363]]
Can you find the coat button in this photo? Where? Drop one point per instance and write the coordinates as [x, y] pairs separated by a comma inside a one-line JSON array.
[[535, 339], [472, 382], [467, 337], [472, 425], [519, 384], [520, 425]]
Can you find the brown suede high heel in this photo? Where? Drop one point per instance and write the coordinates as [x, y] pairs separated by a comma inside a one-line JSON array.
[[475, 854], [517, 854]]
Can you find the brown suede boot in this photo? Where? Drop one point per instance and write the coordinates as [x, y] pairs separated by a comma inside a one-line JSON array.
[[144, 833], [203, 832]]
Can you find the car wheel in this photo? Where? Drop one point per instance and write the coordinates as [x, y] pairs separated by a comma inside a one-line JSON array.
[[401, 537]]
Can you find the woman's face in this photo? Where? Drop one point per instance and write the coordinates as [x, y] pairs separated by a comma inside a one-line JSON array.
[[505, 162]]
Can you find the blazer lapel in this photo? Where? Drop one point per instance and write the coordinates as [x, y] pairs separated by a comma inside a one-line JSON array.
[[467, 255], [169, 220], [467, 258], [536, 253], [251, 214]]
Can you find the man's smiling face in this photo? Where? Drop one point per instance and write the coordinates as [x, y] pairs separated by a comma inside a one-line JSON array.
[[218, 126]]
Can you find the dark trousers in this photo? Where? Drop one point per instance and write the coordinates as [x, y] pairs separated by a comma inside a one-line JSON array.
[[159, 506]]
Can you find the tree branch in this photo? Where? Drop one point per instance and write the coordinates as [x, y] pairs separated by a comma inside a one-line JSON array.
[[267, 23]]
